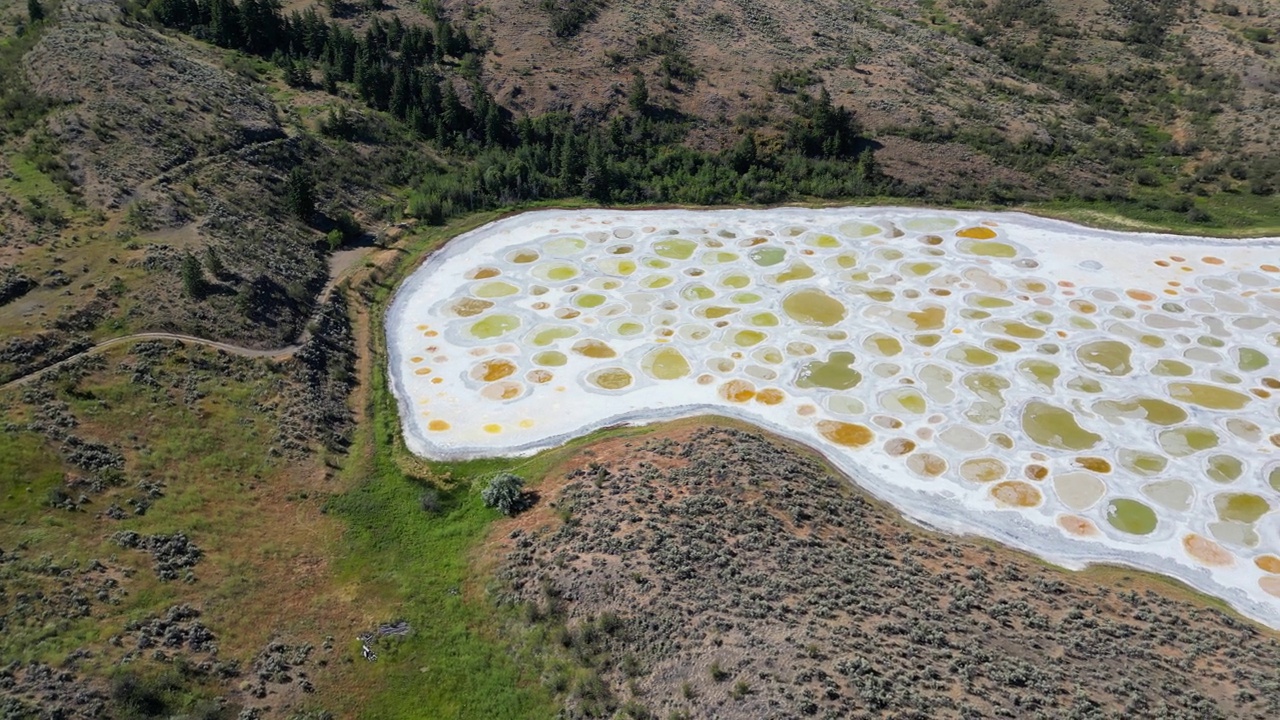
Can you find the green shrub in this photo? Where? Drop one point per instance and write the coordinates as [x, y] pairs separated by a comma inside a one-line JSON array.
[[505, 492]]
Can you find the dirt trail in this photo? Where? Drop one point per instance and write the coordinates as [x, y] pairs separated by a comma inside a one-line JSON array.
[[280, 353], [343, 264]]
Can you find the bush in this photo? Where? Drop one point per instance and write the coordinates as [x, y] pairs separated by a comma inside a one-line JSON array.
[[430, 501], [505, 492]]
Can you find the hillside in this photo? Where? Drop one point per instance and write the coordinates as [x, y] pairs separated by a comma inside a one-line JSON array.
[[711, 572], [977, 99]]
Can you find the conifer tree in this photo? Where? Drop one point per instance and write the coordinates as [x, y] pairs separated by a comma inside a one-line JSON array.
[[300, 194], [193, 283], [638, 95], [213, 263]]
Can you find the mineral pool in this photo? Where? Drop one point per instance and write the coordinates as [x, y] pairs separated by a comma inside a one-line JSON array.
[[1089, 396]]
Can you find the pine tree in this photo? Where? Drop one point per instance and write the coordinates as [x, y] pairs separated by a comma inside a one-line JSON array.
[[35, 10], [300, 194], [638, 95], [596, 182], [213, 263], [193, 283], [868, 170], [226, 24], [744, 155], [401, 92]]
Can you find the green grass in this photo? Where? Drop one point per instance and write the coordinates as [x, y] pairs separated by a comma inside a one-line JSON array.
[[458, 662], [452, 665], [28, 470], [28, 182], [1231, 215]]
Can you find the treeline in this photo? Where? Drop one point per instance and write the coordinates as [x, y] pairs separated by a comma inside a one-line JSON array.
[[394, 68], [636, 159], [427, 77]]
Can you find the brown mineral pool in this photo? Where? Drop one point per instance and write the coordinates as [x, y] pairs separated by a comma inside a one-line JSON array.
[[845, 434], [1093, 464], [1015, 493], [613, 378], [502, 391], [983, 469], [737, 391], [469, 306], [491, 370], [594, 349], [1076, 525], [926, 464], [1270, 584], [1240, 507], [1206, 551], [897, 447], [770, 396]]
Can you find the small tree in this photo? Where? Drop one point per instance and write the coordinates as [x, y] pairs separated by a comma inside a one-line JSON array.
[[192, 277], [638, 95], [300, 194], [35, 10], [505, 492], [213, 263], [334, 239]]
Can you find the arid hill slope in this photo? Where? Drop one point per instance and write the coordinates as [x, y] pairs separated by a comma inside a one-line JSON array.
[[1041, 95], [710, 572]]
